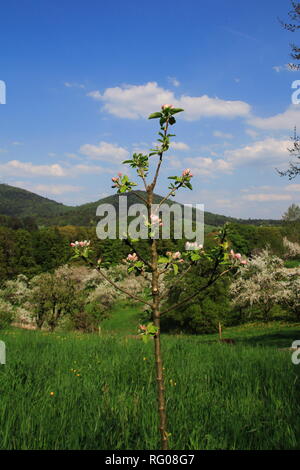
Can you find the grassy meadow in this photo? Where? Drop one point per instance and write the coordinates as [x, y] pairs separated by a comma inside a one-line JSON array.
[[80, 391]]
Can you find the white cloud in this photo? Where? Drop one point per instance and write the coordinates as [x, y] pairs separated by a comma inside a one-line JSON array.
[[174, 81], [73, 156], [206, 166], [222, 135], [286, 120], [264, 152], [77, 170], [135, 101], [254, 134], [179, 146], [18, 168], [255, 188], [293, 187], [74, 85], [95, 94], [224, 202], [55, 189], [282, 68], [267, 152], [172, 162], [267, 197], [58, 188], [104, 151]]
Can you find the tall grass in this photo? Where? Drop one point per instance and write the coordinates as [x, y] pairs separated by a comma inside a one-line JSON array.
[[67, 391]]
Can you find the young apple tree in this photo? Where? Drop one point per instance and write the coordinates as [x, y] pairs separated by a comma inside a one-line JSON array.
[[220, 259]]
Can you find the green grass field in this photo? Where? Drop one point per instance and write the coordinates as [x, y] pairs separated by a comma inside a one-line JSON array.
[[76, 391]]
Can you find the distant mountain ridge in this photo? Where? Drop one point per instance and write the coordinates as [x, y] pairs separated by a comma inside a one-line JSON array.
[[20, 203]]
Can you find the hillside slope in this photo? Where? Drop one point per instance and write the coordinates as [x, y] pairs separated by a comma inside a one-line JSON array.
[[17, 202]]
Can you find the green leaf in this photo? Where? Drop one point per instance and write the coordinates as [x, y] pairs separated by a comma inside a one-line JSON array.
[[155, 116], [76, 256], [175, 269], [152, 329], [139, 264], [163, 259], [176, 110], [172, 120]]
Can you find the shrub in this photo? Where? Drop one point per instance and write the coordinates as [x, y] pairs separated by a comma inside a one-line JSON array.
[[6, 314], [89, 318]]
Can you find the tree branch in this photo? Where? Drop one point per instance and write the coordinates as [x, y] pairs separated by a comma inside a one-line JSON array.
[[169, 194], [118, 287], [128, 242], [153, 184]]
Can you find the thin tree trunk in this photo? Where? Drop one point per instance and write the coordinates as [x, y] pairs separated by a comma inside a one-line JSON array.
[[157, 344], [220, 331], [160, 386]]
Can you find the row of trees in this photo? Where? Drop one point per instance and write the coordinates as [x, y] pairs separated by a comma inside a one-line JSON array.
[[33, 252], [74, 297]]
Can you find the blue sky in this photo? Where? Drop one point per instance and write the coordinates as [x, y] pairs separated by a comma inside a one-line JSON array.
[[82, 77]]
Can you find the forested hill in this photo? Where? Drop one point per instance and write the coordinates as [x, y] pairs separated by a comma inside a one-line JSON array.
[[17, 202], [20, 203]]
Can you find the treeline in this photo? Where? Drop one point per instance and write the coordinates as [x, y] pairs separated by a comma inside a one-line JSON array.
[[31, 252], [249, 239], [25, 249]]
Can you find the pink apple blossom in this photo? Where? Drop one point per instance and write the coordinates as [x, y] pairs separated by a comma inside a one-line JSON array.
[[132, 257], [155, 220], [81, 244], [165, 106], [187, 173], [235, 255]]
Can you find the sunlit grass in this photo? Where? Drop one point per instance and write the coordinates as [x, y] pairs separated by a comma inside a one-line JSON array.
[[68, 391]]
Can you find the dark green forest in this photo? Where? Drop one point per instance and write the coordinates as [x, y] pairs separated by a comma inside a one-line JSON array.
[[35, 233]]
